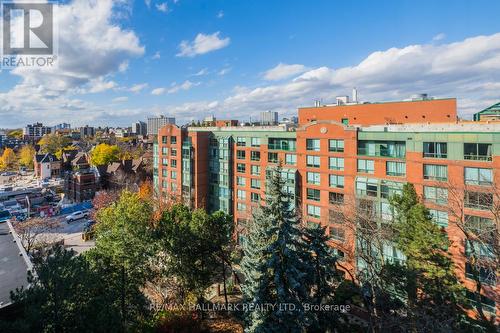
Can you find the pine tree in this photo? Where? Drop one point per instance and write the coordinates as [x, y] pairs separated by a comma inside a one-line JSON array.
[[323, 277], [273, 264], [435, 297]]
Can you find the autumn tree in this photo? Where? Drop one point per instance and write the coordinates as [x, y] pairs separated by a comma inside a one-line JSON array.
[[16, 134], [104, 154], [31, 230], [26, 156], [53, 143], [8, 159]]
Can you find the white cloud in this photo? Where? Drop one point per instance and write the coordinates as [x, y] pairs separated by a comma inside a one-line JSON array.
[[92, 48], [158, 91], [224, 71], [439, 37], [138, 87], [148, 3], [283, 71], [186, 85], [220, 14], [121, 99], [202, 44], [201, 72], [162, 7], [156, 56]]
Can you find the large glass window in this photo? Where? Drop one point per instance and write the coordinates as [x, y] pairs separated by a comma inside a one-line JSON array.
[[478, 200], [313, 211], [313, 161], [366, 166], [478, 151], [173, 140], [485, 274], [367, 186], [240, 181], [241, 142], [337, 181], [336, 145], [437, 195], [487, 304], [255, 170], [439, 217], [255, 197], [336, 163], [478, 176], [255, 142], [313, 178], [255, 183], [242, 195], [272, 157], [313, 144], [313, 194], [240, 167], [335, 198], [395, 168], [240, 154], [282, 144], [435, 149], [382, 148], [291, 159], [435, 172]]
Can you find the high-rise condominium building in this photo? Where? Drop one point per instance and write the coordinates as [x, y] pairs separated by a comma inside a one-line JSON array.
[[156, 123], [343, 159], [140, 128], [269, 118], [36, 131]]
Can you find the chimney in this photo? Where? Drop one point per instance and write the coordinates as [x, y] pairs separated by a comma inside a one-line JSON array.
[[354, 95]]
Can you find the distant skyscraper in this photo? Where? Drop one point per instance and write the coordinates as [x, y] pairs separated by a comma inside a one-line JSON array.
[[36, 131], [87, 131], [156, 123], [140, 128], [268, 118]]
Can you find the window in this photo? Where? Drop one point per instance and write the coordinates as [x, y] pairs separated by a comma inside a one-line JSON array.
[[337, 233], [164, 161], [241, 142], [366, 166], [290, 159], [439, 217], [313, 161], [336, 145], [313, 211], [164, 184], [395, 168], [337, 181], [382, 148], [173, 140], [240, 154], [435, 172], [335, 216], [255, 183], [478, 200], [255, 155], [367, 186], [242, 195], [272, 157], [313, 144], [389, 188], [478, 176], [173, 174], [164, 151], [336, 163], [164, 173], [164, 139], [241, 206], [173, 187], [479, 250], [435, 149], [255, 197], [255, 142], [486, 275], [335, 198], [436, 194], [255, 170], [173, 152], [313, 194], [240, 181], [477, 151], [345, 121], [313, 178], [282, 144], [173, 163], [478, 224], [240, 167], [487, 304]]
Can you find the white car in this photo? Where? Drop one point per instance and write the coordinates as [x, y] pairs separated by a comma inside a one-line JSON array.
[[76, 216]]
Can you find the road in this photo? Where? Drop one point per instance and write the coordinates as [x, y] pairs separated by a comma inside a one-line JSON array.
[[71, 233]]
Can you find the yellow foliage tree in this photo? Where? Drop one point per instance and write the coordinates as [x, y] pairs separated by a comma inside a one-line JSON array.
[[9, 159], [52, 143], [104, 154], [26, 155]]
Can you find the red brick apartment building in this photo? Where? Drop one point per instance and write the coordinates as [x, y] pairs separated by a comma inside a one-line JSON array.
[[344, 155]]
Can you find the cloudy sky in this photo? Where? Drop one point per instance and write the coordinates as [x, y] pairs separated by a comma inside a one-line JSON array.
[[123, 60]]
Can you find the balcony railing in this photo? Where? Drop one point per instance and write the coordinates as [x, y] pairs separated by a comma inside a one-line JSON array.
[[380, 152], [478, 157]]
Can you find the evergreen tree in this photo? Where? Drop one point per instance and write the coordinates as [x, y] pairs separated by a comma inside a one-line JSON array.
[[435, 298], [323, 278], [273, 264]]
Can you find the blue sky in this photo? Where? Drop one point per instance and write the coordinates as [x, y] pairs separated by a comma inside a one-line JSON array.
[[121, 61]]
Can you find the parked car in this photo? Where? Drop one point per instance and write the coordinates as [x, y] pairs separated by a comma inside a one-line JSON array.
[[76, 216], [4, 216], [88, 226]]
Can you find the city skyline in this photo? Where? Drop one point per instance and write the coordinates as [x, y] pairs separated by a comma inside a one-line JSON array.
[[191, 59]]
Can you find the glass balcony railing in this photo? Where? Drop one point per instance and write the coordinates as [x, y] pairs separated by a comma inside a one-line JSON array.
[[381, 152]]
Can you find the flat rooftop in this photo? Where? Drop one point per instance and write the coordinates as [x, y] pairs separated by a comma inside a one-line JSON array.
[[283, 128], [466, 127], [13, 266]]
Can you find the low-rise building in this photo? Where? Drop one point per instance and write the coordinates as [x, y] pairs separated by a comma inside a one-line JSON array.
[[47, 166], [80, 182]]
